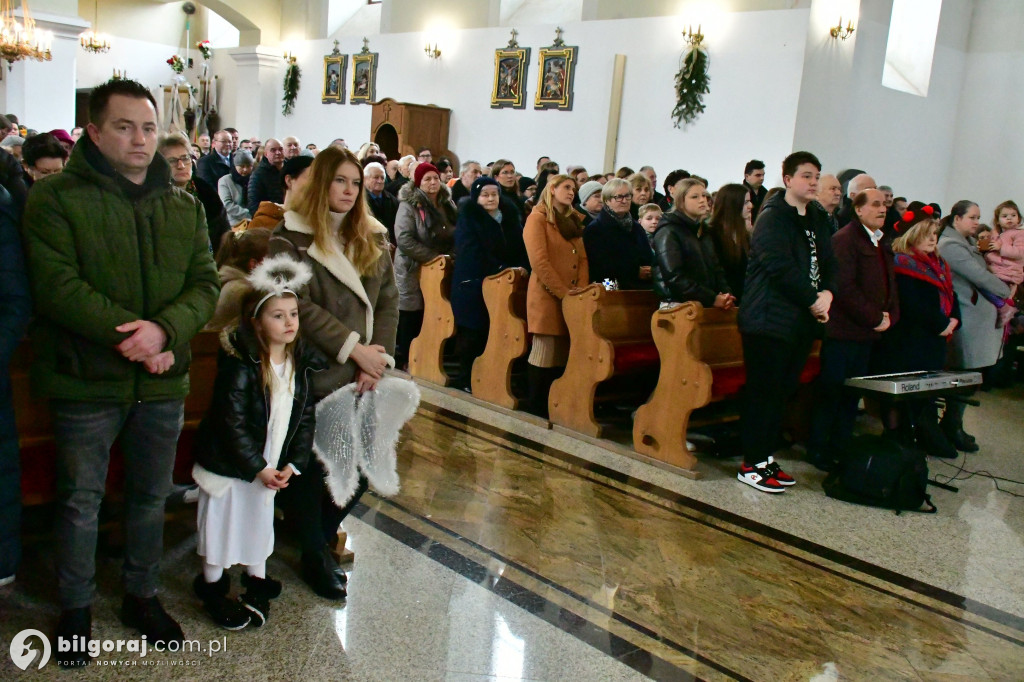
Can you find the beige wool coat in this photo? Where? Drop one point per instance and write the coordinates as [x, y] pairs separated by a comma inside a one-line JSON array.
[[340, 308], [557, 266]]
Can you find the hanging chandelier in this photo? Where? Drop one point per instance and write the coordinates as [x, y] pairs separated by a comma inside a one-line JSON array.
[[22, 40], [91, 41]]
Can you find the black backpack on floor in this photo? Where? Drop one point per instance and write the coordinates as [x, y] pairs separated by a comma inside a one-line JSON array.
[[878, 472]]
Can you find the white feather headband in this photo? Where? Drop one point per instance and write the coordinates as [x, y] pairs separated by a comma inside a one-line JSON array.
[[278, 275]]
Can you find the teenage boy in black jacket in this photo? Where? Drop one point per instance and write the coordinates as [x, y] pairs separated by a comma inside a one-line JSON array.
[[787, 296]]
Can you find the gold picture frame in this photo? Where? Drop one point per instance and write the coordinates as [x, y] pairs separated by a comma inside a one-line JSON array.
[[364, 77], [510, 68], [557, 70], [335, 66]]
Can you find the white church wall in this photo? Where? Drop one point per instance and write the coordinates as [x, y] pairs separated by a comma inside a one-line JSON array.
[[849, 119], [985, 164], [756, 63]]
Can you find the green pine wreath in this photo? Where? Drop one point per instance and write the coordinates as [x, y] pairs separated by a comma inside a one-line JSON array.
[[291, 87], [692, 82]]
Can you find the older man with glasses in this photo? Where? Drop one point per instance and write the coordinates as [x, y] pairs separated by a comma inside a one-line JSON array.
[[175, 148], [265, 181]]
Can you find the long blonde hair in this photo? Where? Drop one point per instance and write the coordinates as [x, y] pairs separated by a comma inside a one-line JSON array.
[[547, 200], [312, 203]]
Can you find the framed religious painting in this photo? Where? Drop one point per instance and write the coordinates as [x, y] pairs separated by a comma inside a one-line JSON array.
[[510, 67], [335, 65], [557, 65], [364, 76]]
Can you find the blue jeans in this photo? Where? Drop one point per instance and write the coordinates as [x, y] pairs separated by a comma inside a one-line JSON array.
[[84, 433]]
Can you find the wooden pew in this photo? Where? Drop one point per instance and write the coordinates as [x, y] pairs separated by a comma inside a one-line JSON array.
[[701, 355], [426, 352], [35, 430], [505, 298], [610, 334]]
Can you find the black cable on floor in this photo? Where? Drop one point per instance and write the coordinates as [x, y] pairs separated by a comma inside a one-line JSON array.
[[984, 474]]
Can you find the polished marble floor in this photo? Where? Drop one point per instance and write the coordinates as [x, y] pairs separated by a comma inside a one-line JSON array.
[[513, 552]]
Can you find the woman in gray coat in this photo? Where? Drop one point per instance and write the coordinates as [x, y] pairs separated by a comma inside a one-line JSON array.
[[233, 189], [424, 230], [977, 342], [349, 312]]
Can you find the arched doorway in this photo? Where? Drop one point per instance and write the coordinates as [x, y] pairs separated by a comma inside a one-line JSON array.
[[387, 139]]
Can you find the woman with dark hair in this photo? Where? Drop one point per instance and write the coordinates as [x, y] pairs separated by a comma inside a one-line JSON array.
[[685, 265], [504, 171], [977, 342], [670, 187], [424, 229], [730, 231], [350, 312], [488, 239], [617, 247], [558, 259]]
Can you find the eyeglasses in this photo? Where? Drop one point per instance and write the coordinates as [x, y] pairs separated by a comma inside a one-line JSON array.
[[179, 160], [621, 197], [426, 156]]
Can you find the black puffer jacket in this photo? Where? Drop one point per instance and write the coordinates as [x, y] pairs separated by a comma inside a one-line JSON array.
[[685, 265], [233, 434], [616, 251], [777, 292]]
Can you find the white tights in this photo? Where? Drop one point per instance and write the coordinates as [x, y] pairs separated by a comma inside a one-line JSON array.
[[213, 573]]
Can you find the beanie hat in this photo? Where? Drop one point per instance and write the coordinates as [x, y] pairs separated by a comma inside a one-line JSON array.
[[479, 184], [62, 136], [588, 189], [295, 165], [421, 170], [12, 141], [243, 157]]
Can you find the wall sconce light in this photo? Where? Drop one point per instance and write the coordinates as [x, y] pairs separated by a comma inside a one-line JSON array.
[[840, 31], [432, 52], [290, 57], [693, 39]]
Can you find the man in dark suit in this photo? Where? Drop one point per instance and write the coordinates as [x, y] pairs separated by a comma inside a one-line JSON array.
[[215, 165]]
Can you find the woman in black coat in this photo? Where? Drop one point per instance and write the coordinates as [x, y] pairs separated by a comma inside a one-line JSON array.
[[685, 265], [617, 247], [488, 239]]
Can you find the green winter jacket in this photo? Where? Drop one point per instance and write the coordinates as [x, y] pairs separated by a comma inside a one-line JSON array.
[[101, 253]]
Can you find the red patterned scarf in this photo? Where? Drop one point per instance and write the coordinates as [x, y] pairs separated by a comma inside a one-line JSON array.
[[929, 267]]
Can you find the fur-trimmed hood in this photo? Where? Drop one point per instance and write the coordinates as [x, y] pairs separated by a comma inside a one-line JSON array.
[[241, 343]]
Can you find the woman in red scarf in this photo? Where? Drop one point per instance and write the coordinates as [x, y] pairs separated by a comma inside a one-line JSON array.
[[929, 313]]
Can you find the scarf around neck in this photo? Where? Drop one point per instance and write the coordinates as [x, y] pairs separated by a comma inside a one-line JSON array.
[[928, 268]]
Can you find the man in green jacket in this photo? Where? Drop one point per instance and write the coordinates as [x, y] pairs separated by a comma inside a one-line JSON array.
[[122, 278]]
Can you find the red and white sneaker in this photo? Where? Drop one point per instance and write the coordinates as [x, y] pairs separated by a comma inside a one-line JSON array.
[[776, 472], [758, 477]]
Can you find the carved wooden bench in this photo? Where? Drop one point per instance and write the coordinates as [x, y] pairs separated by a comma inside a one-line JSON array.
[[426, 352], [507, 338], [610, 334], [701, 362]]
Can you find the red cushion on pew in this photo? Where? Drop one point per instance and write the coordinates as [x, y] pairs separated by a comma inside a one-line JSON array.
[[635, 356], [727, 381]]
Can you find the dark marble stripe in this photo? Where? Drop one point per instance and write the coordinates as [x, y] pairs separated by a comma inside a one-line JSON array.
[[606, 642], [898, 579]]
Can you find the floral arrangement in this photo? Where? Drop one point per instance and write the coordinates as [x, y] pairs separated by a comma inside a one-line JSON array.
[[204, 48], [176, 63], [692, 83], [291, 86]]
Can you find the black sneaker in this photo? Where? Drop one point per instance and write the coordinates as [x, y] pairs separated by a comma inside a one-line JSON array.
[[75, 625], [318, 571], [258, 593], [226, 612], [147, 615]]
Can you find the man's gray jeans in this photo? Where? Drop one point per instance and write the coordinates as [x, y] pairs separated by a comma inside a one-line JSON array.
[[84, 433]]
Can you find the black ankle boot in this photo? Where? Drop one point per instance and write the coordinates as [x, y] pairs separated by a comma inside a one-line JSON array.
[[147, 615], [956, 435], [257, 596], [225, 611], [75, 625], [318, 571], [540, 380]]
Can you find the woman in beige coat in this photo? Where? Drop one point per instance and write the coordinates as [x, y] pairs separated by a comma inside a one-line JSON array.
[[349, 312], [554, 243]]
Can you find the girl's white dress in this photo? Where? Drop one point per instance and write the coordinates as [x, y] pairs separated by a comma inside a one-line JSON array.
[[235, 517]]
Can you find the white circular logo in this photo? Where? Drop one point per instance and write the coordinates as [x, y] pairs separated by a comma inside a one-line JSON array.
[[22, 652]]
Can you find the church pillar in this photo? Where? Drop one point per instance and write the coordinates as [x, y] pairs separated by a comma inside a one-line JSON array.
[[42, 94], [258, 78]]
